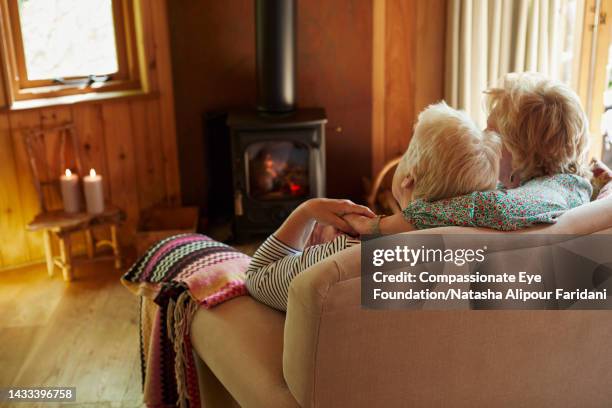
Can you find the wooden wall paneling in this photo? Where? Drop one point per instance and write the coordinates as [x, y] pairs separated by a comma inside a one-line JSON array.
[[29, 198], [400, 51], [120, 156], [56, 116], [224, 61], [52, 117], [147, 52], [157, 155], [378, 85], [430, 53], [90, 132], [149, 158], [159, 20], [335, 71], [408, 70], [13, 243], [89, 126], [4, 97]]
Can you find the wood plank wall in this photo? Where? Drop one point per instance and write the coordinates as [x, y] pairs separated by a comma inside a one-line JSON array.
[[131, 142], [334, 72], [408, 43], [373, 65]]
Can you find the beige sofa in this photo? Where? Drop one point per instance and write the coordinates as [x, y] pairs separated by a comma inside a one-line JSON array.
[[329, 352]]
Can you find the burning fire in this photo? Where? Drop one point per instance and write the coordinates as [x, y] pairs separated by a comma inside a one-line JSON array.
[[295, 188], [275, 174]]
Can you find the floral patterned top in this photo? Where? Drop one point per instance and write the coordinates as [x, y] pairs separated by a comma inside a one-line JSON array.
[[540, 200]]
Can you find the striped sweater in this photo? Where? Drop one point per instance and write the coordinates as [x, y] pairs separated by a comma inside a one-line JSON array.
[[275, 264]]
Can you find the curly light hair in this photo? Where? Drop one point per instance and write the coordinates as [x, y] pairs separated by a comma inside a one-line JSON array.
[[541, 123], [449, 156]]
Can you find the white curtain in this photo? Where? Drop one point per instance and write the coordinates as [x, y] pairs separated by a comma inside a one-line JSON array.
[[489, 38]]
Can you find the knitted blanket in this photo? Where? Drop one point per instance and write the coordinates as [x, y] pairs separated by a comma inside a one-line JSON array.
[[180, 274]]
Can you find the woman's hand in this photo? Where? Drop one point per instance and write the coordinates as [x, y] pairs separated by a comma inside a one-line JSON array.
[[361, 224], [328, 211], [321, 234]]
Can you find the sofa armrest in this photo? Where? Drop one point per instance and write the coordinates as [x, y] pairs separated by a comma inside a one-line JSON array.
[[308, 296]]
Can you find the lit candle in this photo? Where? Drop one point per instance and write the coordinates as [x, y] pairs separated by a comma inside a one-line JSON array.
[[94, 193], [71, 197]]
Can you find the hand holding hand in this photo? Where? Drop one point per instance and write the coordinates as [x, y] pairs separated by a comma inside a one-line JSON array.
[[362, 225], [328, 211], [322, 233]]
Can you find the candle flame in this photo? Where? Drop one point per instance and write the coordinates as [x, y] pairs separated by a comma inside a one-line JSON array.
[[92, 173], [68, 173]]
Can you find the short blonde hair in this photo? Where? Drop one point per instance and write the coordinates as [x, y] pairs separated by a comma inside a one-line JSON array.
[[449, 156], [542, 123]]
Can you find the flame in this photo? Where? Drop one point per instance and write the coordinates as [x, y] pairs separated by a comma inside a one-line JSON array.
[[92, 173], [68, 173], [295, 188]]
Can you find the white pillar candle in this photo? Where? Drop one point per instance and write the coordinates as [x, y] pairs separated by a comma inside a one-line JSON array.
[[71, 197], [94, 193]]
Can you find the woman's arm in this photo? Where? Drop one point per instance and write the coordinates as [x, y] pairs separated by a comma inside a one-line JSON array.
[[274, 266], [538, 201], [393, 224], [280, 258], [459, 211], [297, 227]]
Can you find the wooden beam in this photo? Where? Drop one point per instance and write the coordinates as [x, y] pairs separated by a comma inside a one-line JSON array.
[[120, 156], [378, 85], [30, 205], [13, 247], [408, 43], [149, 160], [159, 20], [430, 38]]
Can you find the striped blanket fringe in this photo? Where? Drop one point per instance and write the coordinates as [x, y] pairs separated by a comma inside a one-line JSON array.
[[180, 315], [180, 274]]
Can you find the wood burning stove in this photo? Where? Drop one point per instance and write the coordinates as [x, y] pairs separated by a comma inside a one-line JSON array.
[[278, 162], [278, 151]]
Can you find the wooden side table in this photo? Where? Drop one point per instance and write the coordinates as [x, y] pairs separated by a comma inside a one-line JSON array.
[[62, 226]]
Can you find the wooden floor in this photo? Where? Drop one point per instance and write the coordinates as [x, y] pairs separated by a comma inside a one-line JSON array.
[[83, 334]]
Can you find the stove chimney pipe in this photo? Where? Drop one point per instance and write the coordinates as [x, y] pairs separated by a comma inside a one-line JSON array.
[[275, 26]]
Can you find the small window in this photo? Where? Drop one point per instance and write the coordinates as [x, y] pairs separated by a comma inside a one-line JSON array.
[[60, 47]]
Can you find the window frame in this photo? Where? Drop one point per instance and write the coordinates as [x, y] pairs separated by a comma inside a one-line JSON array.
[[21, 88], [591, 68]]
